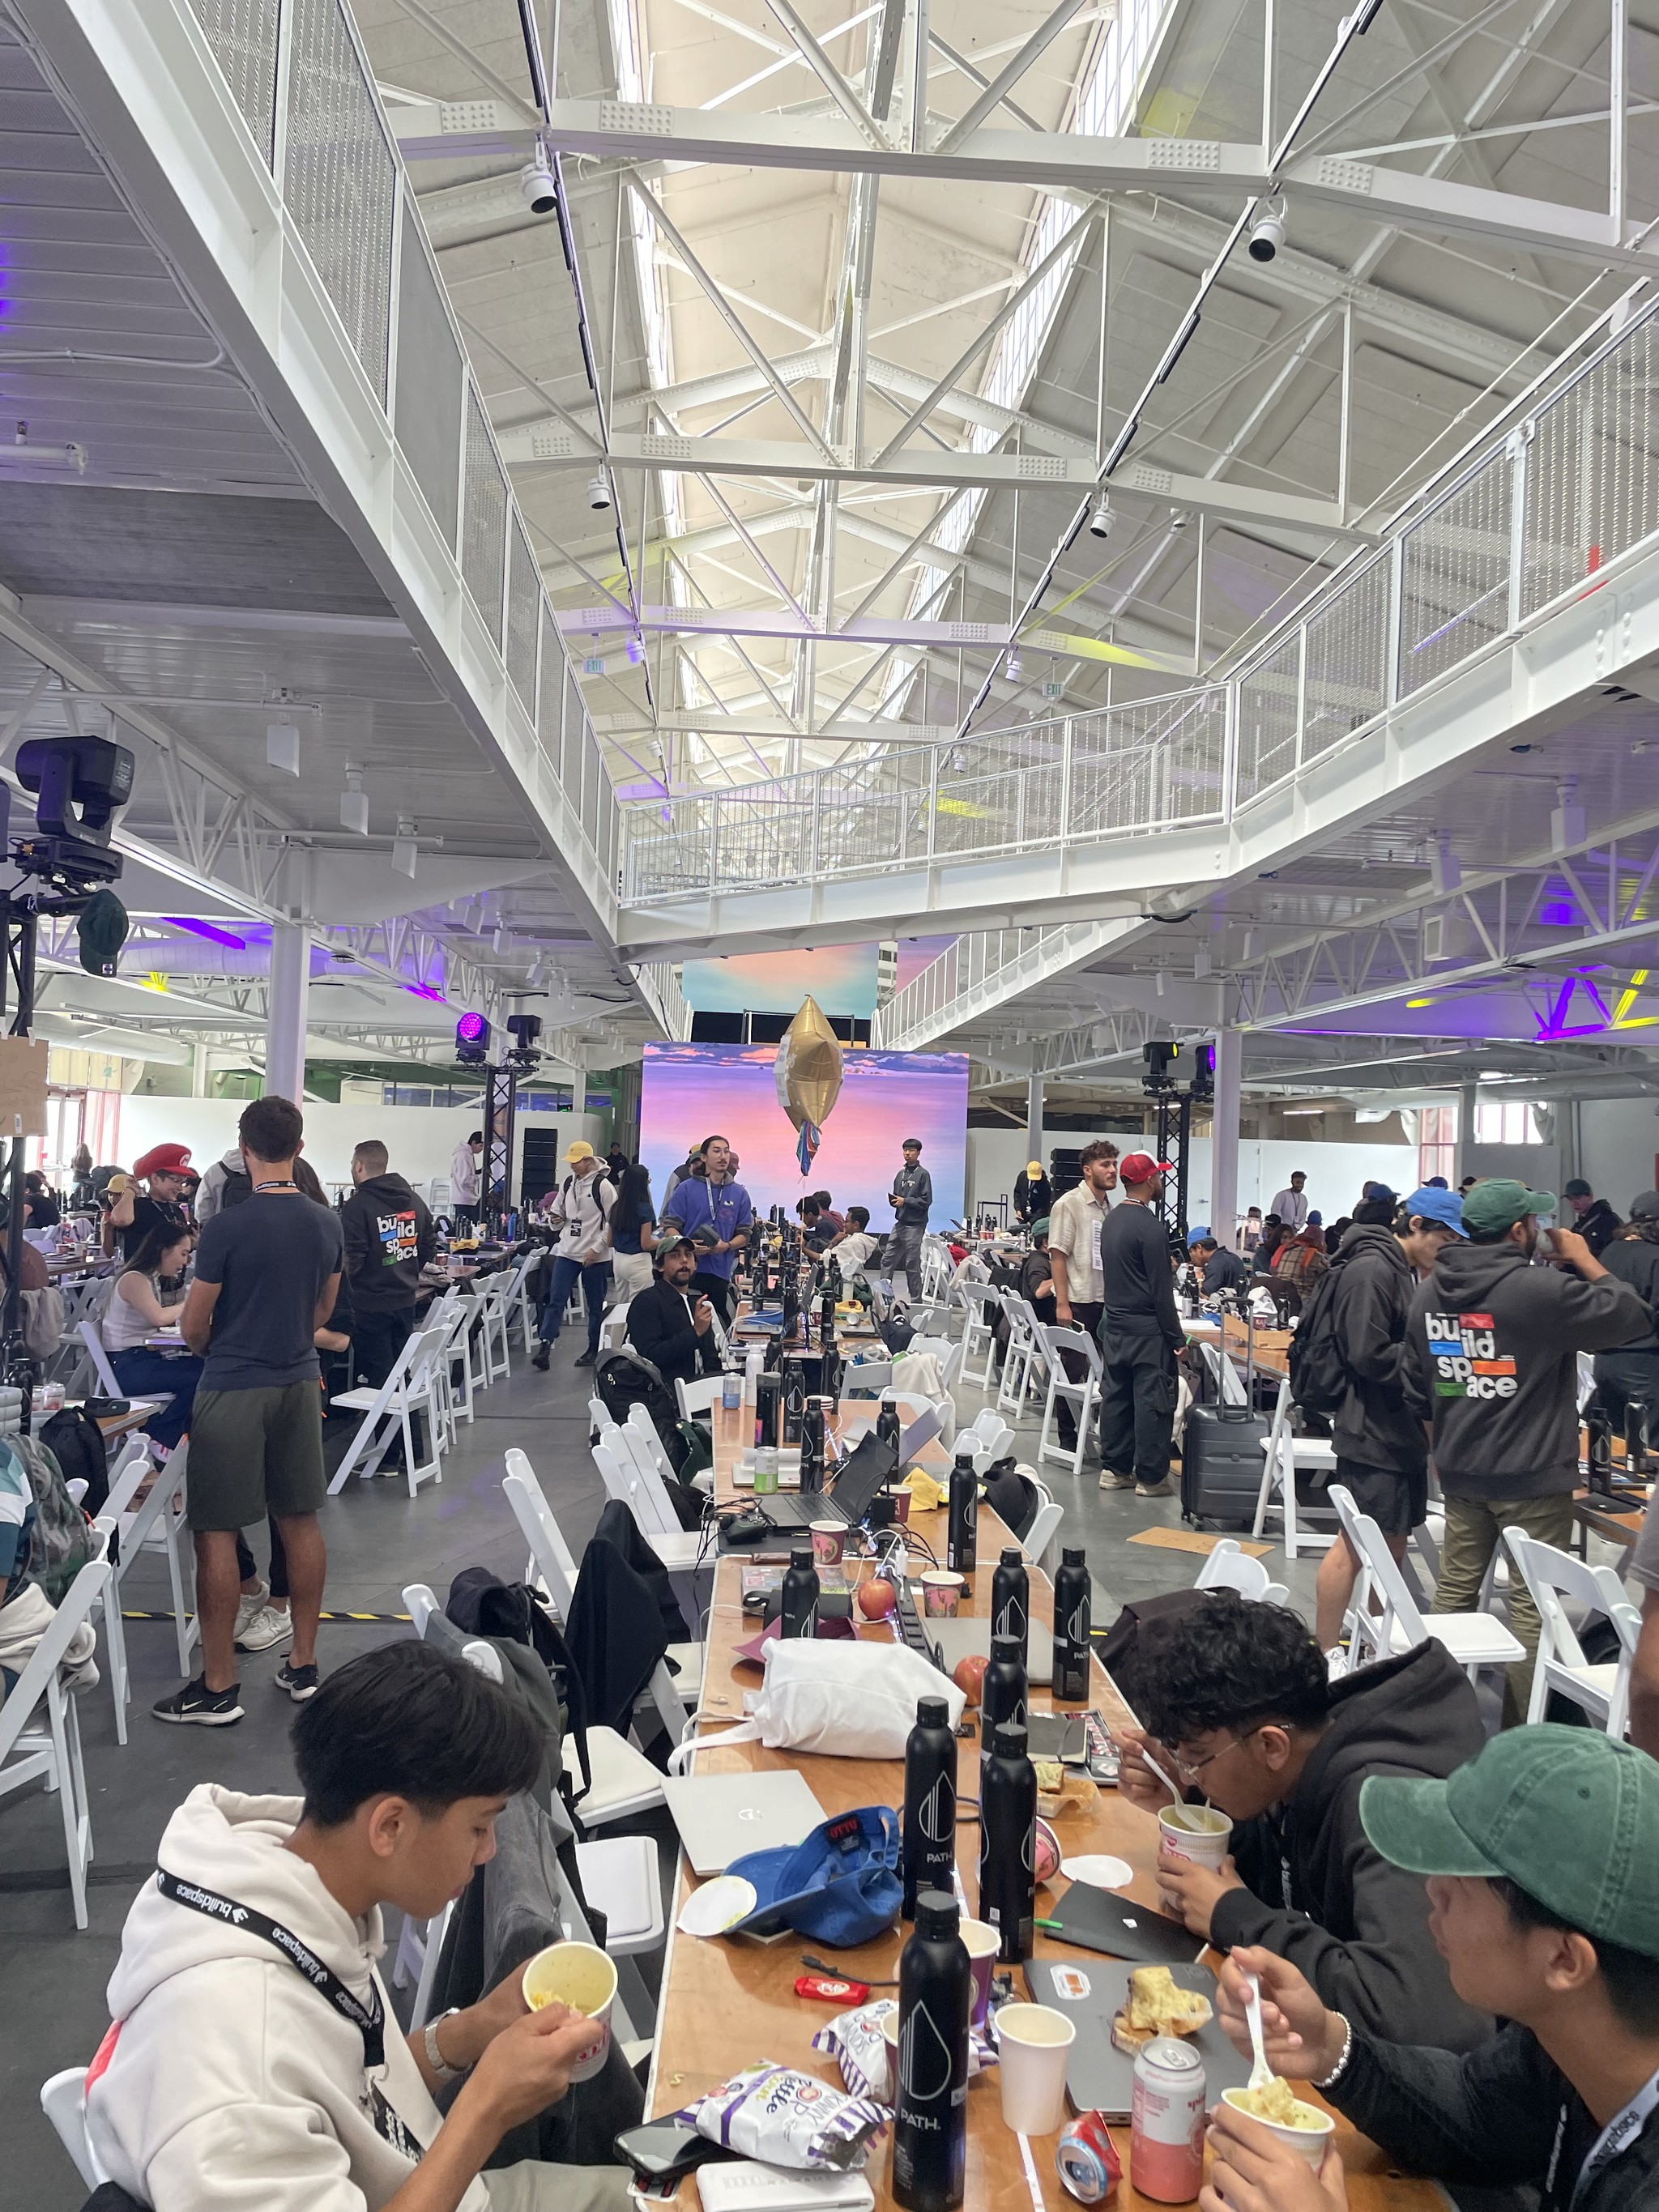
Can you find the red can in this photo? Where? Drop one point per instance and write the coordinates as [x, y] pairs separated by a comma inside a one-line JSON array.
[[1086, 2159], [1166, 2136]]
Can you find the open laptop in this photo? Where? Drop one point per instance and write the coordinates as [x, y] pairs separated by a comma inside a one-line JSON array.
[[722, 1817], [846, 1497], [962, 1639], [921, 1430]]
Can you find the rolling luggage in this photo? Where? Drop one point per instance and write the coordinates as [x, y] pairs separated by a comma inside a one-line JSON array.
[[1222, 1458]]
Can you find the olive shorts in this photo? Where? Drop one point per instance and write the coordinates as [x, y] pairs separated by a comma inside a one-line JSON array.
[[254, 1452]]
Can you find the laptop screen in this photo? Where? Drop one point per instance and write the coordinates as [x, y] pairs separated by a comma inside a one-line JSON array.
[[862, 1475]]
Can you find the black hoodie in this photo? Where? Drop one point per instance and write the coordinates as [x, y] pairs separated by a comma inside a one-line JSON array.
[[1371, 1299], [1357, 1927], [1492, 1360], [389, 1237]]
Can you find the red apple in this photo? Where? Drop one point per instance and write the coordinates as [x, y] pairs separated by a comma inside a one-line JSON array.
[[877, 1599], [969, 1676]]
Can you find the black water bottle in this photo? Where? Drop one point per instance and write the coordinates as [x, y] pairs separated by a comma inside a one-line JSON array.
[[795, 1401], [1636, 1436], [927, 1846], [1007, 1844], [962, 1531], [887, 1425], [800, 1616], [1598, 1436], [1072, 1601], [826, 1319], [758, 1285], [929, 2096], [1011, 1597], [1002, 1696], [812, 1446]]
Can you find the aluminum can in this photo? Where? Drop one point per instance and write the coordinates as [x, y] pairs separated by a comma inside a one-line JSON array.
[[1166, 2134], [1086, 2159]]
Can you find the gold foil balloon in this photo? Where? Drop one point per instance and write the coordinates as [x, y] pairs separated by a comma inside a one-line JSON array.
[[808, 1067]]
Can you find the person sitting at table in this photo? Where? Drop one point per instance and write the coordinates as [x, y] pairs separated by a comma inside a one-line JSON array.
[[1539, 1855], [255, 2057], [1219, 1269], [1239, 1695], [165, 1171], [670, 1324], [855, 1246], [40, 1208], [136, 1311], [1266, 1245]]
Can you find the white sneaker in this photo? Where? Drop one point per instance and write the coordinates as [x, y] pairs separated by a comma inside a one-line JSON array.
[[269, 1625], [250, 1603]]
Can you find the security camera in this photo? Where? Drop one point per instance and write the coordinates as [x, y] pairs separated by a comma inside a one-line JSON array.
[[539, 186], [598, 493], [1100, 522], [1179, 518], [1268, 235]]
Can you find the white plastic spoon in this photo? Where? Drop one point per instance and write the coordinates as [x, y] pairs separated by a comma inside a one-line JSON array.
[[1261, 2072]]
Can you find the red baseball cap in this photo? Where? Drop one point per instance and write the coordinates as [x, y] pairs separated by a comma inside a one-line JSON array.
[[164, 1159], [1141, 1167]]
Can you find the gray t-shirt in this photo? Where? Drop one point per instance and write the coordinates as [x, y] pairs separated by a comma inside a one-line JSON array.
[[1644, 1559], [272, 1257]]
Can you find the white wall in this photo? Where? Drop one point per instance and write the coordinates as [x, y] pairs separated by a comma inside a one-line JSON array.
[[420, 1138], [1617, 1139], [1336, 1173]]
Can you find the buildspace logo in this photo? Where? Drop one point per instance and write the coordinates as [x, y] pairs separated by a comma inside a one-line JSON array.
[[1467, 1361]]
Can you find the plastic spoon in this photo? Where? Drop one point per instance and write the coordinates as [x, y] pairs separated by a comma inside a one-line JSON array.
[[1261, 2072]]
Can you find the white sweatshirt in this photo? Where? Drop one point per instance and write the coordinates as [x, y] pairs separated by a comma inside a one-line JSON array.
[[232, 2082], [464, 1164]]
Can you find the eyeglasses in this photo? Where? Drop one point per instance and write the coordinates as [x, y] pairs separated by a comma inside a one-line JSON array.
[[1191, 1768]]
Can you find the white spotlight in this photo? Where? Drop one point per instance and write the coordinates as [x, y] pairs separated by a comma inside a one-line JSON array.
[[1179, 518], [598, 493], [1268, 234], [538, 185], [354, 804], [283, 747], [1012, 666], [404, 852], [1100, 521]]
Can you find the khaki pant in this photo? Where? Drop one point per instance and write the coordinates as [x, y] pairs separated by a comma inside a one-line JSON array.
[[1474, 1529], [534, 2186]]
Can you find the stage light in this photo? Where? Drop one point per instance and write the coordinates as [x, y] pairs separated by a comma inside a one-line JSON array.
[[1013, 664], [404, 852], [354, 804], [1267, 233], [1100, 522], [472, 1040], [283, 747]]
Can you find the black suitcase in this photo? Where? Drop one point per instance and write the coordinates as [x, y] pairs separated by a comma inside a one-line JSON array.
[[1221, 1456]]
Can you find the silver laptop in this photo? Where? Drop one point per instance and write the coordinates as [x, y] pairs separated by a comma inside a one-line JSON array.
[[964, 1639], [722, 1817]]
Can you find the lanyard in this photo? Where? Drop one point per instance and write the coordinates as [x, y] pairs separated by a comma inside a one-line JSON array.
[[1620, 2131], [368, 2019]]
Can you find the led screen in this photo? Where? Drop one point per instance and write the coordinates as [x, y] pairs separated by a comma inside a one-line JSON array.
[[690, 1091]]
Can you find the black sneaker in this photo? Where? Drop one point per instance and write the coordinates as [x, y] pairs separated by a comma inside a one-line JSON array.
[[586, 1358], [299, 1682], [540, 1357], [203, 1707]]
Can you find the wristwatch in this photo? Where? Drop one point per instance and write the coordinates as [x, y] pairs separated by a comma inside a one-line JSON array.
[[434, 2058]]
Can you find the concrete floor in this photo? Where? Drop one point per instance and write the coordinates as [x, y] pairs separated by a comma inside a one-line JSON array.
[[379, 1539]]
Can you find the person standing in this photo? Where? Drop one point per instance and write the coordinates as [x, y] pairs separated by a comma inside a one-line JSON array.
[[912, 1196], [1629, 1375], [1033, 1194], [715, 1211], [464, 1166], [633, 1235], [389, 1238], [1074, 1228], [692, 1164], [1381, 1456], [1492, 1346], [267, 1273], [1139, 1336], [1291, 1204], [1594, 1219], [164, 1170], [581, 1209]]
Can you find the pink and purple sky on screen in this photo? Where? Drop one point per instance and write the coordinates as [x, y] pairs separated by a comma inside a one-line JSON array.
[[690, 1091]]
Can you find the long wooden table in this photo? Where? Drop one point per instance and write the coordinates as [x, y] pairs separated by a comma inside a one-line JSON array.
[[729, 2003]]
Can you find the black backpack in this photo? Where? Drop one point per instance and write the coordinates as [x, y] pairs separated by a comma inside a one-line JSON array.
[[1320, 1381], [76, 1442]]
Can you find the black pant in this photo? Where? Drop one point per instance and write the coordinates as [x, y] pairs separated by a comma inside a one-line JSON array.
[[717, 1288], [1086, 1313], [245, 1568], [377, 1339], [1137, 1404], [1623, 1378]]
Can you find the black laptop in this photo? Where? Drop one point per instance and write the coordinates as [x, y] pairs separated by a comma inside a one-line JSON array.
[[846, 1497]]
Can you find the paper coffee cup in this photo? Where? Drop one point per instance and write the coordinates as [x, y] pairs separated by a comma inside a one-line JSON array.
[[941, 1593], [583, 1977], [1033, 2043], [828, 1539], [982, 1943], [889, 2029], [1196, 1833], [1309, 2143]]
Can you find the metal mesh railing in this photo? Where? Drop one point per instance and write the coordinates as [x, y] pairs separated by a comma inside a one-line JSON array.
[[524, 599], [430, 380], [1269, 719], [1592, 480], [340, 176], [1455, 576], [483, 518], [243, 36], [1344, 682]]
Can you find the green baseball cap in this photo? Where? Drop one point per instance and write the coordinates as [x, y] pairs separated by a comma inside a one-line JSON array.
[[1567, 1814], [1500, 1204]]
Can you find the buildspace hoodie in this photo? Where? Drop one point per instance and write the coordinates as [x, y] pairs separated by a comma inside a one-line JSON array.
[[227, 2078], [1492, 1360], [389, 1237]]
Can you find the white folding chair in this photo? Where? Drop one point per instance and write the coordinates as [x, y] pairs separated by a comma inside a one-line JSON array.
[[53, 1753], [495, 1301], [639, 1488], [1556, 1579], [981, 1303], [1283, 1454], [1020, 1360], [452, 1314], [423, 1603], [63, 2101], [1041, 1537], [1229, 1568], [701, 1396], [1082, 1395], [613, 1329], [413, 1386], [158, 1521], [1473, 1639], [989, 1436], [101, 1366]]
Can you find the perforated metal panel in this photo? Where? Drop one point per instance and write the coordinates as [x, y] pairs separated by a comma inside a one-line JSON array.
[[1347, 660], [523, 600], [428, 381], [1593, 473], [340, 178], [483, 528], [1266, 720], [1455, 584], [243, 36]]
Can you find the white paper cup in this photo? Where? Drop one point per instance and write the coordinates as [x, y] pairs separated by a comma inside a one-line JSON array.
[[1033, 2043], [583, 1977], [982, 1942], [941, 1593], [890, 2027], [1311, 2144], [1197, 1832]]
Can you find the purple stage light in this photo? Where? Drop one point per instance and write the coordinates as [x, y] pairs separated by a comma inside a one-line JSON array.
[[471, 1028], [210, 930]]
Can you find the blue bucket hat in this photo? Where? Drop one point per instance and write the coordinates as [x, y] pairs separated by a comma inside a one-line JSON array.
[[839, 1887], [1444, 1206]]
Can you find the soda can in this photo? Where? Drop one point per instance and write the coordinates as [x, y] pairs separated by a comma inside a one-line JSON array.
[[1166, 2133], [1086, 2159]]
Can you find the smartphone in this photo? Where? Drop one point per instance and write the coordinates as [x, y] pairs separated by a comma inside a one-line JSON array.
[[662, 2150]]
